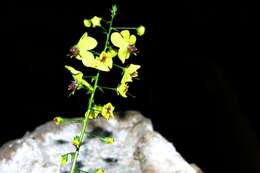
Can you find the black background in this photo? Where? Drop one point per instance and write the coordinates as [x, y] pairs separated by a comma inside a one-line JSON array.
[[198, 82]]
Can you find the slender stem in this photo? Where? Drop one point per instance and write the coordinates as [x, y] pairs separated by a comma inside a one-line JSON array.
[[118, 66], [108, 88], [124, 28], [84, 124], [104, 29], [109, 32], [83, 130], [94, 52]]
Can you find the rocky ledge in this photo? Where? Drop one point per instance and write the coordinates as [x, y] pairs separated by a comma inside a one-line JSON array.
[[137, 149]]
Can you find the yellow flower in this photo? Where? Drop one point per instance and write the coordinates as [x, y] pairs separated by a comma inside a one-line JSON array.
[[78, 77], [125, 42], [76, 141], [107, 111], [130, 72], [87, 23], [81, 50], [58, 120], [122, 89], [96, 21], [99, 171], [104, 62], [140, 30], [93, 114]]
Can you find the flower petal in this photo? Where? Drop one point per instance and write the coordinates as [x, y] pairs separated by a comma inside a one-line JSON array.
[[72, 70], [122, 89], [126, 78], [118, 40], [87, 58], [101, 66], [132, 68], [123, 54], [132, 39], [96, 21], [86, 42], [125, 34]]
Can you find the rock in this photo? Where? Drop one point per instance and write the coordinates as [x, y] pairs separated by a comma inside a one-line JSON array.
[[137, 149]]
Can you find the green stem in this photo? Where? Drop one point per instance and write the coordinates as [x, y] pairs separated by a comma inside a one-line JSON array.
[[124, 28], [94, 52], [118, 66], [83, 130], [109, 31], [108, 88]]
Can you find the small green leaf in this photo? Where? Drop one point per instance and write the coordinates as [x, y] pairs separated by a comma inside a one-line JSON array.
[[108, 140], [64, 159], [76, 170]]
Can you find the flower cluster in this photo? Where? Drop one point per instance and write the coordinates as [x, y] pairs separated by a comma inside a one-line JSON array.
[[119, 43]]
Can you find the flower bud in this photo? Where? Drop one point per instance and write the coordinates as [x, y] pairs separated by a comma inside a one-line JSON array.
[[76, 142], [96, 21], [87, 23], [58, 120], [140, 30]]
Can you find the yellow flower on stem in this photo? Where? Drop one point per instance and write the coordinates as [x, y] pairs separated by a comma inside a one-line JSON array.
[[140, 30], [81, 50], [76, 142], [94, 113], [125, 42], [130, 72], [79, 81], [107, 111], [96, 21], [122, 89], [104, 62]]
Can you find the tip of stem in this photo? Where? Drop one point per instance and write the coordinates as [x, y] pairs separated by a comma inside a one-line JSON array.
[[114, 9]]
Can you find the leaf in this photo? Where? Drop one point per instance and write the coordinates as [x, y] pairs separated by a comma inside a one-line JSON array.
[[77, 170], [64, 159], [107, 140]]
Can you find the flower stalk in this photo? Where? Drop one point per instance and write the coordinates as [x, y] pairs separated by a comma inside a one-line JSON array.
[[83, 130], [119, 44]]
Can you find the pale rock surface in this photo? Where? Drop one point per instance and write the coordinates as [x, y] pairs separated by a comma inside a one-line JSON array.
[[137, 149]]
